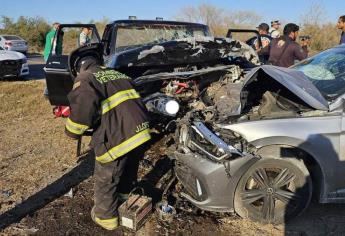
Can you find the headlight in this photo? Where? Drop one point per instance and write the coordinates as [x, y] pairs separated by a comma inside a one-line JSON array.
[[172, 107], [199, 138], [24, 60], [161, 104]]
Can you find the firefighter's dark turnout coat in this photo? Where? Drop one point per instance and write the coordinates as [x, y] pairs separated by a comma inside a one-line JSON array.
[[107, 102]]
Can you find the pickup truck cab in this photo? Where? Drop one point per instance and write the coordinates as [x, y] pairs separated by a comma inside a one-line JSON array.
[[118, 38]]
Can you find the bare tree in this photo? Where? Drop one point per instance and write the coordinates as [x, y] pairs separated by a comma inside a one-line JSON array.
[[242, 19], [204, 13], [218, 19], [314, 23], [315, 14]]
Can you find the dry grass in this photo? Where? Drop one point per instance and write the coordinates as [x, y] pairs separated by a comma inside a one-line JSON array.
[[33, 150]]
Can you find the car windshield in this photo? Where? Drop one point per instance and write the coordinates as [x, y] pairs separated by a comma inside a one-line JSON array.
[[11, 37], [131, 36], [326, 71]]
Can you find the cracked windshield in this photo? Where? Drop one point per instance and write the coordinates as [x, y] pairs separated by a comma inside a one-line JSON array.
[[135, 36], [326, 71]]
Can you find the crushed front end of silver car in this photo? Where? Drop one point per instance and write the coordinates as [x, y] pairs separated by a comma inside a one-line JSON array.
[[209, 164], [208, 167], [211, 149]]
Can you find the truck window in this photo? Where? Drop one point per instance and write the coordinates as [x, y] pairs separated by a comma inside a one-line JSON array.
[[131, 36], [69, 39]]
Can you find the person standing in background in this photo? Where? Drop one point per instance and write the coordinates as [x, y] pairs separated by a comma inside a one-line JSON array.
[[263, 29], [284, 51], [49, 41], [48, 47], [84, 37], [274, 32], [341, 26]]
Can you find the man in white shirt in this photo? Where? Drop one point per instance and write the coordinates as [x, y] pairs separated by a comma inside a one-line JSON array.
[[84, 37], [274, 32]]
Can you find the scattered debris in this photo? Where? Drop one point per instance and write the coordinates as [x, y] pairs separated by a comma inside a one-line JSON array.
[[165, 212], [154, 49], [69, 193], [7, 193]]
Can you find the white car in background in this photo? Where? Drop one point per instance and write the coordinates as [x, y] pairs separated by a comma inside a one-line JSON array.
[[13, 64], [13, 43]]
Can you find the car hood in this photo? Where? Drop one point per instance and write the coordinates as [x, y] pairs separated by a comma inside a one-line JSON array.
[[10, 55], [295, 81], [193, 50]]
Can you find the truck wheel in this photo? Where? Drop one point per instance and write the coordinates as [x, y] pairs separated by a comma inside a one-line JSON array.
[[273, 190]]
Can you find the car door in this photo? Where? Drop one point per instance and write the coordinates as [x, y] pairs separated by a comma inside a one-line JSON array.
[[66, 50]]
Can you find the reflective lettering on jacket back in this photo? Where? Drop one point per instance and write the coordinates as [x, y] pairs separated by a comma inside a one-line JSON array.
[[105, 76], [142, 127]]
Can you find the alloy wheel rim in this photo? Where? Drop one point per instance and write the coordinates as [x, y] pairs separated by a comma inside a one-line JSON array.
[[268, 190]]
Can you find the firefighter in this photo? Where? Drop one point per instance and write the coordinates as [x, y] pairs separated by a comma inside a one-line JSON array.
[[105, 101]]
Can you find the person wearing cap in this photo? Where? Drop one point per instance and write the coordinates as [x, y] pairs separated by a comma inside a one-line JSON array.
[[263, 29], [105, 101], [84, 37], [341, 26], [284, 51], [274, 32]]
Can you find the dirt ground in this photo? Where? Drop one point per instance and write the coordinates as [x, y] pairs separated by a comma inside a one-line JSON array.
[[38, 166]]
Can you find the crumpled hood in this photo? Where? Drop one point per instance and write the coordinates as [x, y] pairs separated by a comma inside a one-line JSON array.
[[184, 51], [295, 81], [10, 55]]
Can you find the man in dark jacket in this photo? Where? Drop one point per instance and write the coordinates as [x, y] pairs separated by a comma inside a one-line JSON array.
[[284, 51], [104, 100], [263, 29], [341, 26]]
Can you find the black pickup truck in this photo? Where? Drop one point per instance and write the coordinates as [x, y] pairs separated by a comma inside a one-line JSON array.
[[118, 37], [167, 60]]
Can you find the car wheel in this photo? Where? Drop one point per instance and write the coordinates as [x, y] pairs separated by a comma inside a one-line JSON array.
[[273, 190]]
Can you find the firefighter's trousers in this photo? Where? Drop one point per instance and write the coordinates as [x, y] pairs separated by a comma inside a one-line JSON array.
[[118, 176]]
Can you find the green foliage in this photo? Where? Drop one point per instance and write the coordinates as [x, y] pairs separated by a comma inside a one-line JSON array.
[[32, 29]]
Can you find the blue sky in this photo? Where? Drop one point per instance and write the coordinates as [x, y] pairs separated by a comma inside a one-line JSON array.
[[70, 11]]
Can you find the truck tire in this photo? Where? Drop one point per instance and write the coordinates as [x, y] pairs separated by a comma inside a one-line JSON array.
[[273, 190]]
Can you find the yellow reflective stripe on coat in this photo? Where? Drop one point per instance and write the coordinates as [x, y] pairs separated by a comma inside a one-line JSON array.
[[75, 128], [125, 146], [118, 98]]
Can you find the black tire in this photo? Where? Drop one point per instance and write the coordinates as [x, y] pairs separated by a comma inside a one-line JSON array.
[[273, 190]]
